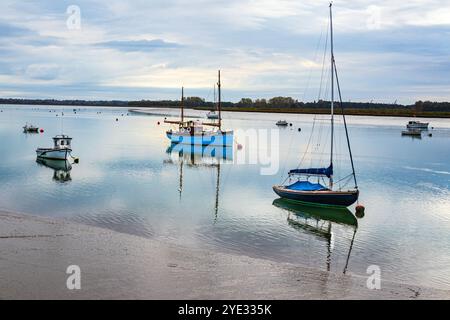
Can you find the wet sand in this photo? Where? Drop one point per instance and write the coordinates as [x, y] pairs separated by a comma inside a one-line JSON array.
[[36, 251]]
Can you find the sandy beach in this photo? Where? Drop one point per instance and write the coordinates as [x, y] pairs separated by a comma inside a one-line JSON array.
[[36, 252]]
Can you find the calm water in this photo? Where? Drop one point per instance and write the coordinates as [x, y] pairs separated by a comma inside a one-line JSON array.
[[127, 181]]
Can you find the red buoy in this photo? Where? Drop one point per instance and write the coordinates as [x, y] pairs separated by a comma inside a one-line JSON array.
[[359, 211], [42, 130]]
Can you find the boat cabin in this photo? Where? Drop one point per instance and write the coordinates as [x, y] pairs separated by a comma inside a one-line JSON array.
[[190, 127], [62, 142]]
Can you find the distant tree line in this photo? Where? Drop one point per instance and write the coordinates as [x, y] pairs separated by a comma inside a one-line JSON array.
[[288, 102], [244, 103], [53, 102]]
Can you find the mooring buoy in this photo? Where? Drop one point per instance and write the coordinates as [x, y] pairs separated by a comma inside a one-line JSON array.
[[359, 211]]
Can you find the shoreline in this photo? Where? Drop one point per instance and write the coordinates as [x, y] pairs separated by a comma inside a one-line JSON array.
[[444, 115], [36, 252], [348, 111]]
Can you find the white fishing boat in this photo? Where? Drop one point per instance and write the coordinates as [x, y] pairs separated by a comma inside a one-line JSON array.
[[60, 151], [194, 132], [417, 125]]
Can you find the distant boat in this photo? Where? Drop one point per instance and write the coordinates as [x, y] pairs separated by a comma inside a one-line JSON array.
[[281, 123], [212, 115], [303, 190], [193, 132], [29, 128], [417, 125], [60, 151]]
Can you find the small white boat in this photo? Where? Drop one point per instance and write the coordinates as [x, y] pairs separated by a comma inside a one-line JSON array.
[[281, 123], [30, 128], [417, 125], [60, 151], [212, 115]]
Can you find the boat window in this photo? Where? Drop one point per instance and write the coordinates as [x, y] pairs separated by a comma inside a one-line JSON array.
[[62, 142]]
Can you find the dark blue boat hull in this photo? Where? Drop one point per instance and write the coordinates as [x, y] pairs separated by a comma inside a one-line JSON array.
[[325, 198]]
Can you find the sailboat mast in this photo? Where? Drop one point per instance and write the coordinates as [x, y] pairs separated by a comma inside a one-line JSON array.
[[219, 102], [182, 104], [332, 92]]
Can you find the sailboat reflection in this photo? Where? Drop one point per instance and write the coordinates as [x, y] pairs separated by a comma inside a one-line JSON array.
[[197, 155], [200, 156], [319, 221], [61, 169]]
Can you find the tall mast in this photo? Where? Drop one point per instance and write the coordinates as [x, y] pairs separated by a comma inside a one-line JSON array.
[[214, 108], [219, 102], [332, 92], [182, 104]]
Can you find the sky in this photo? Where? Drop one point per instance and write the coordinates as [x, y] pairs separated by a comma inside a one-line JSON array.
[[385, 51]]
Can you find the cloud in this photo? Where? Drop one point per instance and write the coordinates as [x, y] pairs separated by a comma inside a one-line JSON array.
[[140, 49], [43, 71], [8, 30], [138, 45]]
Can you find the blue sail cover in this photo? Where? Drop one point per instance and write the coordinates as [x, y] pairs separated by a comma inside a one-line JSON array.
[[314, 171], [306, 186]]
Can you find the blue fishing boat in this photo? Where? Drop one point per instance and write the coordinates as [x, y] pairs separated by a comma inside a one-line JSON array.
[[320, 191], [194, 132]]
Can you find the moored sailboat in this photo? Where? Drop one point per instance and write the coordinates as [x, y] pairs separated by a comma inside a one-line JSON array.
[[194, 132], [213, 115], [303, 190]]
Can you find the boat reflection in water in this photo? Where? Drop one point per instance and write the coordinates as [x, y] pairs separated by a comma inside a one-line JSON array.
[[197, 155], [61, 169], [319, 221], [200, 156]]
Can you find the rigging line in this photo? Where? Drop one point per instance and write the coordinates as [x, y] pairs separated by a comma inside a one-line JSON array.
[[345, 124], [304, 96], [309, 142], [345, 178], [323, 64], [310, 68]]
